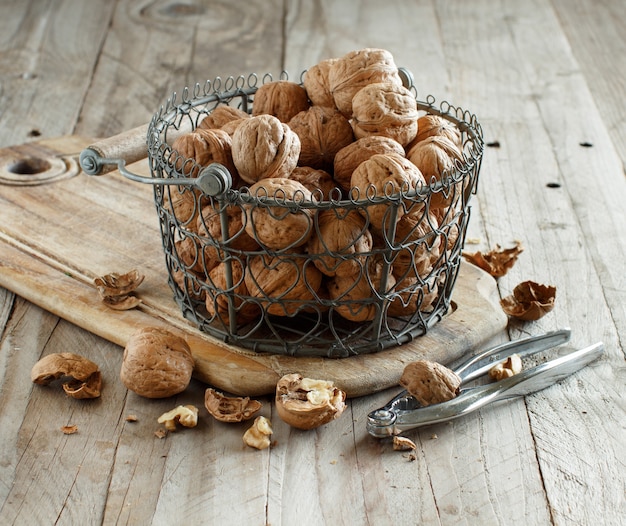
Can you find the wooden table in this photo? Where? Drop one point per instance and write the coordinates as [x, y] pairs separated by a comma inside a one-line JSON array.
[[546, 80]]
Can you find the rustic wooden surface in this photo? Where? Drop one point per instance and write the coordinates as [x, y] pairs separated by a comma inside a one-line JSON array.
[[544, 77]]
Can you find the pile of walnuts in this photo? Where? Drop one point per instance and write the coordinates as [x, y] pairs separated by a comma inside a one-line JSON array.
[[351, 131]]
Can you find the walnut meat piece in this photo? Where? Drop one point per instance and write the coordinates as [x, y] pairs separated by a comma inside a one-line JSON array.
[[281, 98], [230, 408], [264, 147], [185, 415], [156, 363], [281, 222], [386, 109], [315, 83], [340, 240], [323, 132], [349, 157], [86, 379], [282, 285], [307, 403], [430, 382], [258, 436], [356, 69], [509, 367], [384, 175]]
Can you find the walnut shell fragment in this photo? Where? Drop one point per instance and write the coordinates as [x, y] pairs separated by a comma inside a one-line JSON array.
[[156, 363], [430, 382], [230, 408], [498, 261], [529, 301], [116, 289], [86, 377], [306, 403]]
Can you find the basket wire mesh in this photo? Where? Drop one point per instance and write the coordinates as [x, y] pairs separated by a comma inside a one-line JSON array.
[[398, 288]]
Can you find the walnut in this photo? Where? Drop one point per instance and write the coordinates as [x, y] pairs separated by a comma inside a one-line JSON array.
[[281, 98], [319, 182], [278, 225], [436, 157], [185, 204], [349, 157], [306, 403], [85, 377], [193, 258], [341, 235], [209, 226], [349, 73], [315, 83], [156, 363], [386, 109], [258, 436], [185, 415], [384, 175], [323, 132], [284, 285], [355, 295], [202, 147], [221, 116], [430, 382], [411, 296], [529, 301], [231, 127], [429, 125], [230, 408], [509, 367], [220, 296], [263, 147], [189, 283], [116, 290], [419, 245]]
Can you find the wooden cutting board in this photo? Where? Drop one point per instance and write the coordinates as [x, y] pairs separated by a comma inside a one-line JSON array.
[[59, 229]]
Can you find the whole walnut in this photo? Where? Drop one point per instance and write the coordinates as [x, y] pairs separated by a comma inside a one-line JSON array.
[[384, 175], [436, 157], [156, 363], [194, 255], [417, 234], [220, 296], [202, 147], [349, 73], [264, 147], [222, 115], [323, 132], [349, 157], [281, 98], [185, 204], [283, 222], [284, 285], [429, 125], [209, 228], [316, 84], [386, 109], [412, 295], [340, 240], [319, 182], [355, 295]]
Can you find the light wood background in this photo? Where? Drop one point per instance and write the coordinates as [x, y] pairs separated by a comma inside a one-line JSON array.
[[544, 77]]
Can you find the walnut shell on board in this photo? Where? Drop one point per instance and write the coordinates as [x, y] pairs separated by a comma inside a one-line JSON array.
[[156, 363], [316, 83], [387, 109], [281, 98], [323, 132], [349, 157], [354, 70], [274, 225], [263, 147]]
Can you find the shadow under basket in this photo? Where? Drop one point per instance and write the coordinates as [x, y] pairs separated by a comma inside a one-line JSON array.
[[388, 285]]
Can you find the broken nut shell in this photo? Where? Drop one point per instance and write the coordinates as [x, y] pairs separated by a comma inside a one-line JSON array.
[[230, 408], [86, 378]]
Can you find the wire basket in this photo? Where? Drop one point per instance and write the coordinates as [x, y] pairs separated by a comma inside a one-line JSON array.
[[399, 285]]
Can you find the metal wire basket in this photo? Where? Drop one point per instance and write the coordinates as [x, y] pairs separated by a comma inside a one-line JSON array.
[[398, 286]]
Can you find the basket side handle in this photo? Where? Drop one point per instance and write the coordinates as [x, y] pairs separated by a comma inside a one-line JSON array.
[[114, 152]]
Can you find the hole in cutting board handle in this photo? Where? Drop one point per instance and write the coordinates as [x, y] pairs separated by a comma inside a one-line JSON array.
[[29, 166]]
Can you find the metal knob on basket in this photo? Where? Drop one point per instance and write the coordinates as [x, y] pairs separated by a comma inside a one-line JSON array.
[[310, 323]]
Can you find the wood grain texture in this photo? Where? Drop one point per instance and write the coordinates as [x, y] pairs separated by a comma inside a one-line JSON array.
[[542, 76]]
